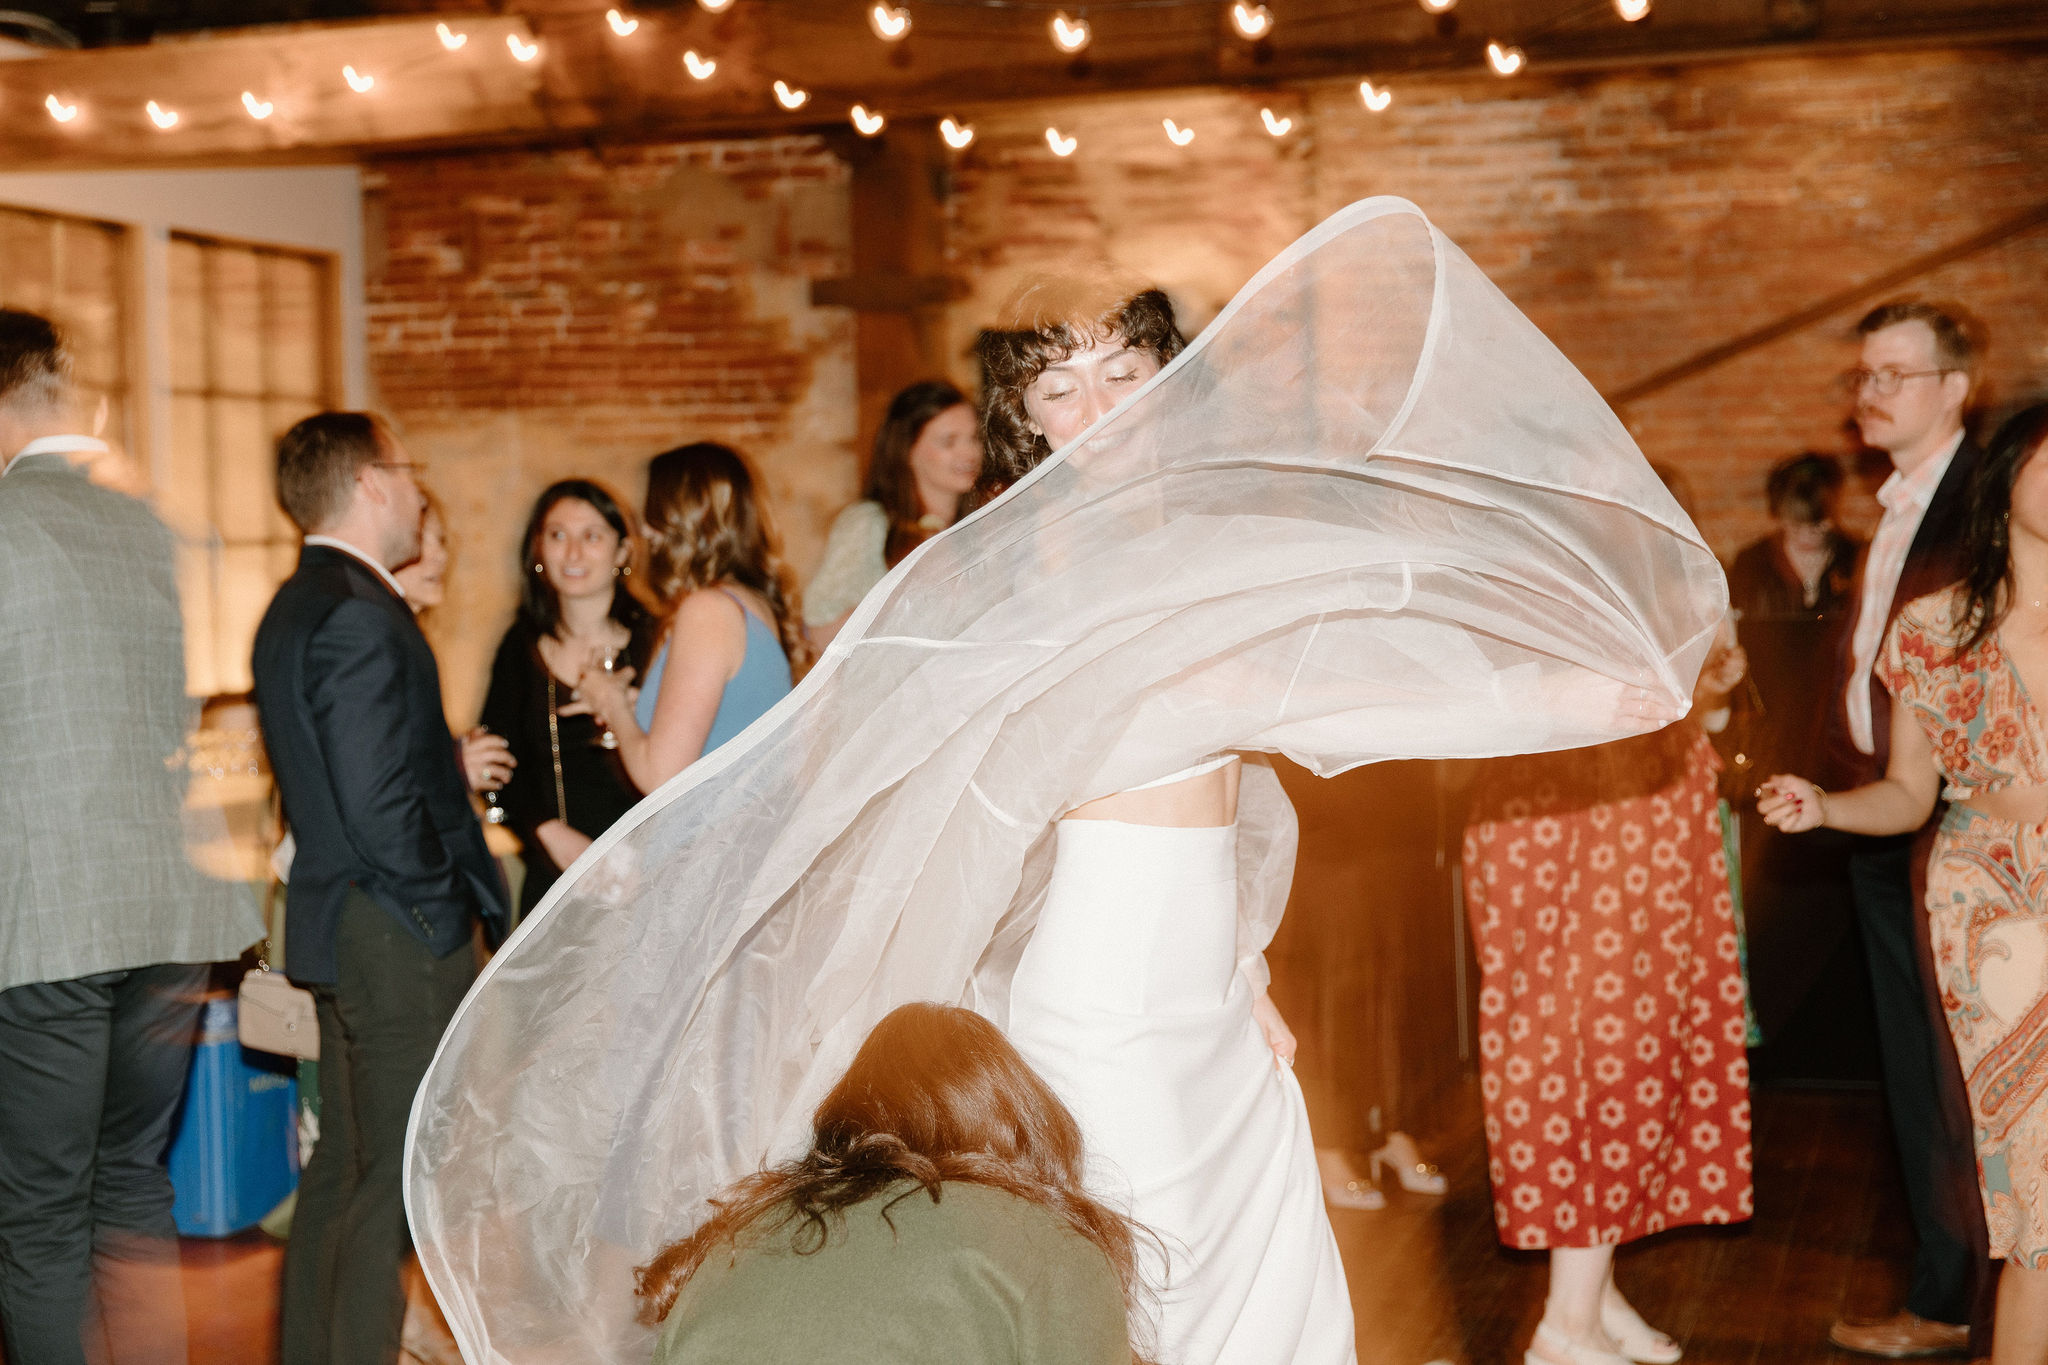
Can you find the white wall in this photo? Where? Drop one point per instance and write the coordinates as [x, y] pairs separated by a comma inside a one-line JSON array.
[[317, 208]]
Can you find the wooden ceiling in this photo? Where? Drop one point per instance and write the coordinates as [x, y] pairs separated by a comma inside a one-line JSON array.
[[588, 81]]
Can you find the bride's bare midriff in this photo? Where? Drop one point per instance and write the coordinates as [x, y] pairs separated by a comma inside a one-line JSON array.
[[2017, 805], [1199, 802]]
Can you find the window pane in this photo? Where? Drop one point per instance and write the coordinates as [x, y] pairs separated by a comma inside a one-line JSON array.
[[297, 328], [247, 583], [195, 595], [188, 315], [184, 495], [27, 263], [241, 471], [89, 299], [234, 312]]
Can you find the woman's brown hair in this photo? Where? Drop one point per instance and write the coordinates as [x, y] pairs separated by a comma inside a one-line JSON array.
[[707, 525], [1044, 324], [891, 481], [935, 1094]]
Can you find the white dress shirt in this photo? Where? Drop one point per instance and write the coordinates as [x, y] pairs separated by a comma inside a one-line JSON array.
[[1905, 498], [333, 544], [57, 445]]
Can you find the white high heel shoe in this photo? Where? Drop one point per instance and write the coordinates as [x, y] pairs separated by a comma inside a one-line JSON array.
[[1552, 1347], [1343, 1187], [1639, 1341], [1416, 1175]]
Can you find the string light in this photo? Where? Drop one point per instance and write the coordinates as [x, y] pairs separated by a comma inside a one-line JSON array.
[[450, 39], [889, 23], [1632, 10], [162, 117], [1177, 135], [258, 109], [621, 25], [959, 136], [1278, 127], [1252, 22], [59, 110], [1061, 146], [1505, 61], [867, 124], [357, 82], [523, 52], [1070, 35], [1373, 97], [714, 6], [789, 97], [1439, 6], [700, 68]]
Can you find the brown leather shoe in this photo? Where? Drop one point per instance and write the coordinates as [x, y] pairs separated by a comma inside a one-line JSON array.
[[1901, 1335]]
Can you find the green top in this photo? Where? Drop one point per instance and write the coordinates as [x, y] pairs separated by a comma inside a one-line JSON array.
[[979, 1278]]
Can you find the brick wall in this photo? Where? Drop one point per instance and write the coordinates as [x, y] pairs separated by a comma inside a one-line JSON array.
[[538, 315]]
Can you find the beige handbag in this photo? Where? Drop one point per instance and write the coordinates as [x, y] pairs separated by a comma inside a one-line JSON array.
[[276, 1016]]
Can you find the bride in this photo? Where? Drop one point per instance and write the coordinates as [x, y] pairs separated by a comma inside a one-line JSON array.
[[1129, 997], [1370, 513]]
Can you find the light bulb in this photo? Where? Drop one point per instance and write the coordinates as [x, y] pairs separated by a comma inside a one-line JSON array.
[[450, 39], [358, 82], [700, 68], [1632, 10], [621, 25], [889, 23], [1505, 61], [1070, 35], [524, 52], [1373, 97], [867, 124], [789, 97], [59, 110], [714, 6], [162, 117], [1278, 127], [959, 136], [1061, 146], [1439, 6], [258, 109], [1177, 135], [1252, 22]]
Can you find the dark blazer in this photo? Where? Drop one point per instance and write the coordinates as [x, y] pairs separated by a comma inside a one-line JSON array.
[[350, 703], [1934, 561]]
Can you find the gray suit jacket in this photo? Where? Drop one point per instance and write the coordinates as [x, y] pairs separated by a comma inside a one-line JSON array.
[[94, 874]]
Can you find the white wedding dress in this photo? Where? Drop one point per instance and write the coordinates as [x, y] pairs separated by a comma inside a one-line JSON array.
[[1130, 1002]]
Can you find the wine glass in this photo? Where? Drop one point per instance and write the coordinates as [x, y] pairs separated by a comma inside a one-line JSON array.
[[605, 738]]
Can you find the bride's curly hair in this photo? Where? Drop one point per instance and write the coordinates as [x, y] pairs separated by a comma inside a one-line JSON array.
[[708, 524], [935, 1094], [1047, 322]]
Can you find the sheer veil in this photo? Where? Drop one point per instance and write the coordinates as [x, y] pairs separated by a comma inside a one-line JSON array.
[[1370, 513]]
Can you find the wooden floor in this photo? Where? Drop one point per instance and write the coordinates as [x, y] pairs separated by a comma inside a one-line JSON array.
[[1430, 1284]]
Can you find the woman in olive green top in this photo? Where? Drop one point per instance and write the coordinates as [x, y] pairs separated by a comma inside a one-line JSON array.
[[938, 1217]]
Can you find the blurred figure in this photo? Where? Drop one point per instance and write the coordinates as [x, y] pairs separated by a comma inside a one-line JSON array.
[[1791, 591], [102, 918], [939, 1218], [730, 642], [575, 612], [927, 457], [390, 876], [425, 581], [1911, 387], [1611, 1025], [1965, 730]]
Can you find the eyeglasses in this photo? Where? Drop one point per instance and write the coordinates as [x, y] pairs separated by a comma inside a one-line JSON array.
[[415, 468], [1885, 382]]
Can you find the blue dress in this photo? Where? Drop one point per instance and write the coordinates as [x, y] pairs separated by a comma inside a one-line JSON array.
[[762, 680]]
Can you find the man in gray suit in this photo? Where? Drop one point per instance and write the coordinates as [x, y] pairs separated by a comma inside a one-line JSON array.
[[101, 912]]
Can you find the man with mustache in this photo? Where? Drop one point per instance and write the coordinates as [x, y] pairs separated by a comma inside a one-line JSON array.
[[1911, 388]]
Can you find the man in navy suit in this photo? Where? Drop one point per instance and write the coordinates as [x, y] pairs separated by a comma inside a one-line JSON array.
[[390, 876]]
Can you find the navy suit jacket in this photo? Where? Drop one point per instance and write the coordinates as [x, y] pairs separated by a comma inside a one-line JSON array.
[[350, 703]]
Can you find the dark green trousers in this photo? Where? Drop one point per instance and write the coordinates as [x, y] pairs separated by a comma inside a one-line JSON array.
[[380, 1021]]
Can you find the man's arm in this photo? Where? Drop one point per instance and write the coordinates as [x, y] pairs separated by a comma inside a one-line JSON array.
[[356, 685]]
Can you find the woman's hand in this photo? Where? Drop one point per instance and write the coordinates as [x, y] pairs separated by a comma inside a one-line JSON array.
[[487, 761], [564, 843], [1791, 804], [601, 694], [1278, 1036]]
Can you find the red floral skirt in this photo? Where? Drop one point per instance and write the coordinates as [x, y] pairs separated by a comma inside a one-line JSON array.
[[1611, 1031]]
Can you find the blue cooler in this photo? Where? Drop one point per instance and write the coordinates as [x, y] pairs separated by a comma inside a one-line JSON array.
[[235, 1152]]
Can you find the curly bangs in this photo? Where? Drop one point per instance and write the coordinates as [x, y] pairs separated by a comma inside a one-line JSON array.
[[1047, 323]]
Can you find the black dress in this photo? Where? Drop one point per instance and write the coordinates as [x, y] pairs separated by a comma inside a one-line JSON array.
[[594, 790]]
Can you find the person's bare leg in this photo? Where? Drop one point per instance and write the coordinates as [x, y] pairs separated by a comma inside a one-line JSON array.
[[1623, 1321], [1571, 1311], [2021, 1337]]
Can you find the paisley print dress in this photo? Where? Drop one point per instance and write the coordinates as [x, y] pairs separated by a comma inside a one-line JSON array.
[[1987, 905]]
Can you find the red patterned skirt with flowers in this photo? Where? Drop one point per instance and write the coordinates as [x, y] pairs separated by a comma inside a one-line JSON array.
[[1611, 1029]]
